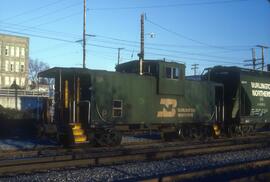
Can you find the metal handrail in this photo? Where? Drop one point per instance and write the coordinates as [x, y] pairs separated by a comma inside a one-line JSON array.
[[11, 92]]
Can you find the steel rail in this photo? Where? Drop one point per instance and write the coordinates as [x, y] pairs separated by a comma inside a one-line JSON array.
[[52, 151], [115, 157]]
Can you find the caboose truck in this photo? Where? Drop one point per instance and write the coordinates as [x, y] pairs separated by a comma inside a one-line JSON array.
[[246, 98], [96, 106]]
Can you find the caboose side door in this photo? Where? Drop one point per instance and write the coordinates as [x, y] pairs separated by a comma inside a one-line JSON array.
[[219, 103], [84, 102]]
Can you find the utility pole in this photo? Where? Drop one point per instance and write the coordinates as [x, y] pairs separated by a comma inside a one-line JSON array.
[[262, 47], [253, 60], [118, 60], [84, 19], [195, 67], [141, 55]]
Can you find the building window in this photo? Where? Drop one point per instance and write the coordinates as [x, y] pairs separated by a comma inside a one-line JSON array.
[[11, 66], [11, 51], [17, 52], [117, 108], [22, 68], [172, 73], [23, 52], [168, 72], [7, 51], [175, 73]]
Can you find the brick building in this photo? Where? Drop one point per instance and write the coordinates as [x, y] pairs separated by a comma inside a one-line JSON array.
[[14, 56]]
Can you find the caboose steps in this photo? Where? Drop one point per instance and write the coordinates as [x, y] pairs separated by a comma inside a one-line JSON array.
[[78, 133], [80, 139]]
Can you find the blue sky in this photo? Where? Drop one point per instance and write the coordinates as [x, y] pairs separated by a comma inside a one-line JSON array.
[[205, 32]]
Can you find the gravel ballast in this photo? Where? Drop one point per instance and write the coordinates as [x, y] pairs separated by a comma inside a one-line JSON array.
[[33, 143], [139, 170], [22, 144]]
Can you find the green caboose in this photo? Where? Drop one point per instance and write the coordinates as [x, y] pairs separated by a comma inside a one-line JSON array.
[[96, 105]]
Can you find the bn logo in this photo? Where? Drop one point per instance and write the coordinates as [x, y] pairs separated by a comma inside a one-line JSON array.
[[169, 108]]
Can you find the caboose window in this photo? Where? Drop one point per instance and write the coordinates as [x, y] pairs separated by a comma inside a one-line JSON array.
[[172, 73], [117, 108], [175, 73], [168, 72]]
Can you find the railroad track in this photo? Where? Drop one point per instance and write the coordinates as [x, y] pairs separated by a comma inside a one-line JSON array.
[[236, 172], [28, 153], [65, 158]]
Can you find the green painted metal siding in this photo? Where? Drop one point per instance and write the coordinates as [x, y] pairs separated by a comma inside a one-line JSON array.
[[171, 86], [201, 95], [136, 92], [257, 91], [143, 104]]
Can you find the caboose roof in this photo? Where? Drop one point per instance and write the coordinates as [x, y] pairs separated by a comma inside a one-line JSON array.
[[52, 72]]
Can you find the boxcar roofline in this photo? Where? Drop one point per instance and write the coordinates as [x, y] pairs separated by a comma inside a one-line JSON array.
[[240, 70]]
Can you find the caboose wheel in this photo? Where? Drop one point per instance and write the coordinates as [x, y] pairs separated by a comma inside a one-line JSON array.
[[245, 130], [185, 133], [101, 139], [63, 139], [231, 131], [169, 135], [107, 137], [205, 133], [195, 133], [238, 131], [252, 129], [114, 138]]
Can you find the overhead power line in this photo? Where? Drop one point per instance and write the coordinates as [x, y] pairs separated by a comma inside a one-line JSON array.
[[52, 12], [246, 47], [57, 39], [172, 51], [39, 30], [32, 10], [55, 20], [185, 37], [115, 48], [32, 28], [123, 8], [39, 36], [192, 58], [126, 42], [168, 5], [195, 67], [122, 42]]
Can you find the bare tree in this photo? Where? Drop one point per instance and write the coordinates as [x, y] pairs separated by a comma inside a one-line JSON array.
[[36, 66]]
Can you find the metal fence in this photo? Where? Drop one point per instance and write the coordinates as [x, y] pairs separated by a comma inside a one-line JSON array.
[[28, 93]]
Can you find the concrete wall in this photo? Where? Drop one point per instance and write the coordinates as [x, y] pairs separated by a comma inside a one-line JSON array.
[[9, 102]]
